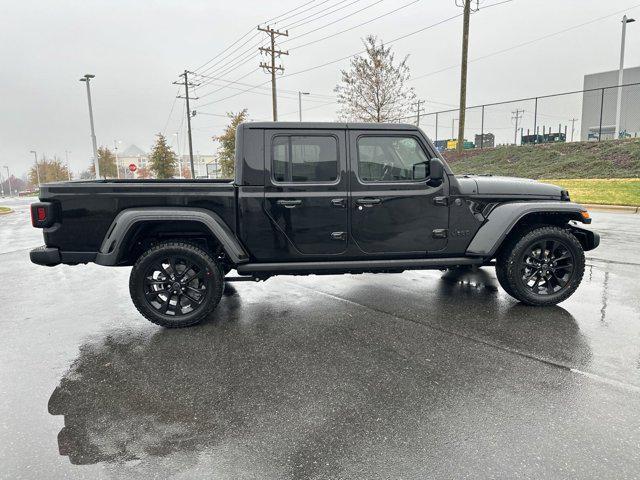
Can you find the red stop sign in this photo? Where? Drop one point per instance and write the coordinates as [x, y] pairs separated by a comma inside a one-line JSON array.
[[132, 167]]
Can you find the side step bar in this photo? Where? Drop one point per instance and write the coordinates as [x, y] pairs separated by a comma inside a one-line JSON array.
[[354, 266]]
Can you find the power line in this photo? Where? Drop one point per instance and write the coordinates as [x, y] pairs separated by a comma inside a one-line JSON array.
[[252, 30], [296, 14], [218, 54], [293, 92], [295, 47], [248, 54], [401, 37], [313, 17], [528, 42], [175, 99]]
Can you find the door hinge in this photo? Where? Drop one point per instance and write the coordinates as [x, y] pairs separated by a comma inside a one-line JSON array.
[[338, 236], [440, 233], [443, 201]]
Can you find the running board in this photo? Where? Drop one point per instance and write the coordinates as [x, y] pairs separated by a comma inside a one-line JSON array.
[[355, 266]]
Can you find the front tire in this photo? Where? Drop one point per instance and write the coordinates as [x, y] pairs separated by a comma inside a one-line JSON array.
[[544, 267], [175, 284]]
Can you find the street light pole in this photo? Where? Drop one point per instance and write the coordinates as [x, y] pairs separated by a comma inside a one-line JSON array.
[[87, 79], [625, 20], [66, 155], [8, 179], [35, 157], [300, 103], [115, 149]]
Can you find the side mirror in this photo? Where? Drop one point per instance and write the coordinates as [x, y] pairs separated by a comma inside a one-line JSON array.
[[421, 170], [436, 170]]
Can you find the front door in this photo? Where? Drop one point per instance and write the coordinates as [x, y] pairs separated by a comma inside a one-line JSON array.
[[305, 194], [395, 208]]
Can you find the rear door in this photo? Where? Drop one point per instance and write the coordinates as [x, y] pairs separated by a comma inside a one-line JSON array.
[[305, 195], [395, 208]]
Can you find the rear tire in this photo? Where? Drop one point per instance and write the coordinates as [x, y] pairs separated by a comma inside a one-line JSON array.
[[176, 284], [544, 267]]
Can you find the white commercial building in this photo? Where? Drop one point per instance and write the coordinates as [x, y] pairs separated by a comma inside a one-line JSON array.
[[599, 110], [205, 166]]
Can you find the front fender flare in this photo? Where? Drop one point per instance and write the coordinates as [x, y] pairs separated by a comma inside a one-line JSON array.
[[113, 243], [504, 217]]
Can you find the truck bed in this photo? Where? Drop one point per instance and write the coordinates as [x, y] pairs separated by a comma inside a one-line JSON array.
[[87, 208]]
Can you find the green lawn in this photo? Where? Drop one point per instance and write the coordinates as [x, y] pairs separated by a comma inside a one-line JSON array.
[[608, 159], [610, 191], [5, 210]]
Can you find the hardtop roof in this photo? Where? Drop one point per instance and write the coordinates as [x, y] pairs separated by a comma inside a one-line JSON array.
[[328, 126]]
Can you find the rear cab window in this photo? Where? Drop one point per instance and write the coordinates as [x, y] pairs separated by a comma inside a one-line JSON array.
[[304, 159]]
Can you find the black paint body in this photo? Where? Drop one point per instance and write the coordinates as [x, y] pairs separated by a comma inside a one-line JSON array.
[[412, 220]]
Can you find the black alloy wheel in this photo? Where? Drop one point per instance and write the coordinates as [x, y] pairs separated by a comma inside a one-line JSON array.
[[543, 266], [547, 267], [176, 284]]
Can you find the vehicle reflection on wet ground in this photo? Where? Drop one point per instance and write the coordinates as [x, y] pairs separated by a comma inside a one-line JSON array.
[[415, 375]]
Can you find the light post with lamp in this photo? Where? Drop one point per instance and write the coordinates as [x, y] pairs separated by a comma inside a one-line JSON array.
[[625, 20], [300, 103], [87, 79]]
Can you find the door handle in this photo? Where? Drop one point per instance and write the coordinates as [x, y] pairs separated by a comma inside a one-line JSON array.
[[289, 203], [338, 202], [368, 202]]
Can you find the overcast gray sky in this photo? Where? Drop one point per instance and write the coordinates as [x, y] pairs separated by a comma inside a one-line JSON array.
[[136, 49]]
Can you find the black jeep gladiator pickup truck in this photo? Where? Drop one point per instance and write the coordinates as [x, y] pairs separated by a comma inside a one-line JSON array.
[[315, 198]]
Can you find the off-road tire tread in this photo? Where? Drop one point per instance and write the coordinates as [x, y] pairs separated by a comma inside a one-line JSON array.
[[507, 262], [194, 249]]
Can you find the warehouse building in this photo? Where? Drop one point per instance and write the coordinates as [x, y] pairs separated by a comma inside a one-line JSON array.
[[594, 102]]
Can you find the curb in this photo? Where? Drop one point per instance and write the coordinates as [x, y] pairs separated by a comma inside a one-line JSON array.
[[612, 208]]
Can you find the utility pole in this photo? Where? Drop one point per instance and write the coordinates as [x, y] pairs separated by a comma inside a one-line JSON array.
[[418, 104], [300, 103], [625, 20], [271, 68], [35, 157], [2, 185], [517, 115], [87, 79], [8, 178], [189, 115], [573, 126], [466, 4]]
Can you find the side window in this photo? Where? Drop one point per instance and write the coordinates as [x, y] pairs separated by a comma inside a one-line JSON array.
[[391, 159], [300, 159]]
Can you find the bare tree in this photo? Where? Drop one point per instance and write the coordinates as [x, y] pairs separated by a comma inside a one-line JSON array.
[[375, 89]]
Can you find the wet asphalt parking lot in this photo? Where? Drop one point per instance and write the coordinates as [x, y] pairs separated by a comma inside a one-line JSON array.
[[414, 375]]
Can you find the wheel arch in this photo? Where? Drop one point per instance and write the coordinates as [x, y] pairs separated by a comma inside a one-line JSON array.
[[508, 219], [134, 229]]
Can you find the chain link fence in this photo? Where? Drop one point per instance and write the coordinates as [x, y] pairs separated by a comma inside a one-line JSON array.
[[595, 114]]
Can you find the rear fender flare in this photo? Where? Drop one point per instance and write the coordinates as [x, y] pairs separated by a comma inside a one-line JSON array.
[[505, 217], [113, 243]]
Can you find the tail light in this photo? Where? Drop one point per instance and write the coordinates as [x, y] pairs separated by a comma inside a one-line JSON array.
[[42, 214]]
